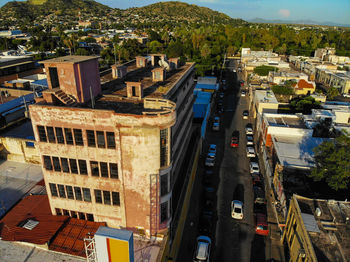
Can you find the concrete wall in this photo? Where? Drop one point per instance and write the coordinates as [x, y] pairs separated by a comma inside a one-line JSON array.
[[16, 149]]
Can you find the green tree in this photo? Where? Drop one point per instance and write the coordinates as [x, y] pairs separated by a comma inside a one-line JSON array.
[[304, 104], [81, 51], [282, 90], [264, 70], [332, 92], [332, 162]]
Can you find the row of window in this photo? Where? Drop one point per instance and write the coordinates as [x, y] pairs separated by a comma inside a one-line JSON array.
[[83, 194], [69, 165], [74, 136], [74, 214]]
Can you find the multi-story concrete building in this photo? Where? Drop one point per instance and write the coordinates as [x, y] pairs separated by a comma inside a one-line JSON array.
[[114, 157]]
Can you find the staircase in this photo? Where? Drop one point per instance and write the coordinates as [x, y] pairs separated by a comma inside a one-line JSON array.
[[64, 98]]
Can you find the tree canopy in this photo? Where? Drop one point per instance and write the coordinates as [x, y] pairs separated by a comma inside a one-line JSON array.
[[264, 70], [332, 162], [304, 104]]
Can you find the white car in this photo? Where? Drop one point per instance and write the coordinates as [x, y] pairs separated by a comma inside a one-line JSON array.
[[248, 130], [243, 93], [210, 160], [237, 209], [212, 148], [245, 114], [250, 151], [254, 168], [202, 252], [250, 140]]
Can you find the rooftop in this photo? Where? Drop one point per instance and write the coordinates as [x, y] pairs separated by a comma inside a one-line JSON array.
[[73, 59], [264, 96], [284, 120], [328, 229]]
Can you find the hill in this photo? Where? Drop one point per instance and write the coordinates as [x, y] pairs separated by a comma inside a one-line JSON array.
[[297, 22]]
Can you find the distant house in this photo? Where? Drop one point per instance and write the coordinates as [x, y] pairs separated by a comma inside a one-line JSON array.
[[303, 87]]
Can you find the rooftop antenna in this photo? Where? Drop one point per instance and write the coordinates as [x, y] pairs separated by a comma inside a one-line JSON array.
[[92, 99]]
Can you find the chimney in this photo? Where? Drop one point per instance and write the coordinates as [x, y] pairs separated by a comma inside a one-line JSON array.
[[141, 61], [174, 62], [134, 90], [158, 74], [156, 57], [118, 71]]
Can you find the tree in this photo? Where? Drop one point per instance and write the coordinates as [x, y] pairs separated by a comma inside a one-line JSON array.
[[304, 104], [264, 70], [332, 92], [282, 90], [332, 162]]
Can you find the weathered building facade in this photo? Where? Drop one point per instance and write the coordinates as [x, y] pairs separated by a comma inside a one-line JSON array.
[[113, 158]]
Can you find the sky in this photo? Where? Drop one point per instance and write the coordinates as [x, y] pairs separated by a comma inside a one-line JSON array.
[[337, 11]]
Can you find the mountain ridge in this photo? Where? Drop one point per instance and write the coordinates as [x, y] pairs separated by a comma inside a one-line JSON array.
[[299, 22]]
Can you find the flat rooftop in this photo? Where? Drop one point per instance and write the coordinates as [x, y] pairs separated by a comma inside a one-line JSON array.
[[263, 96], [69, 59], [21, 130], [329, 232], [283, 120]]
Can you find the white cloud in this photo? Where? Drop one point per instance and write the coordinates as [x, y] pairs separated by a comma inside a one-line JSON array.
[[284, 13]]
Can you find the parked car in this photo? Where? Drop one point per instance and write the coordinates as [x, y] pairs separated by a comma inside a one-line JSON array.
[[250, 151], [250, 140], [216, 123], [234, 71], [254, 168], [235, 139], [210, 160], [212, 148], [202, 252], [245, 114], [249, 129], [243, 93], [237, 209], [256, 180], [261, 227], [221, 95], [259, 195]]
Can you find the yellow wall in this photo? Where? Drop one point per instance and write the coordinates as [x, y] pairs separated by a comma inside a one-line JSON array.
[[15, 149]]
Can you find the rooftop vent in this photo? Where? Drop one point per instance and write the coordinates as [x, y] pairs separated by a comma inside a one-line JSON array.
[[318, 212], [29, 224]]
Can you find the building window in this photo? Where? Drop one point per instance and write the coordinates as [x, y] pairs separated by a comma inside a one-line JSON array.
[[82, 167], [61, 191], [94, 168], [91, 138], [58, 212], [90, 217], [54, 77], [59, 135], [51, 134], [42, 134], [78, 137], [69, 190], [100, 139], [78, 195], [115, 199], [164, 185], [73, 166], [65, 212], [163, 147], [47, 163], [65, 166], [104, 169], [56, 164], [69, 136], [86, 194], [113, 169], [81, 215], [53, 190], [73, 214], [30, 144], [106, 197], [163, 212], [110, 140], [98, 196]]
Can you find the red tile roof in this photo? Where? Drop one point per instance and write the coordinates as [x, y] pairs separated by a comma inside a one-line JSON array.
[[303, 84], [70, 239], [34, 207]]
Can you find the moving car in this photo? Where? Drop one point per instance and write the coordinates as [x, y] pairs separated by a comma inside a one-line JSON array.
[[250, 151], [235, 139], [254, 168], [259, 195], [212, 148], [249, 129], [216, 123], [202, 252], [250, 140], [261, 227], [245, 114], [210, 160], [237, 209]]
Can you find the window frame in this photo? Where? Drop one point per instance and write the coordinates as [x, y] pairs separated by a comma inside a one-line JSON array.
[[101, 141], [91, 138], [69, 136], [42, 133], [110, 139]]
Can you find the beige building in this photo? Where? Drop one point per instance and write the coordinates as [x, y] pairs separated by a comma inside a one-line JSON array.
[[340, 80], [114, 157]]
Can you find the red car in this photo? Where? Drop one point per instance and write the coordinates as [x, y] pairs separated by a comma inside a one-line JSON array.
[[261, 227], [235, 139]]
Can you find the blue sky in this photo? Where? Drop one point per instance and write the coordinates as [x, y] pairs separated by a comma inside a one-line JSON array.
[[337, 11]]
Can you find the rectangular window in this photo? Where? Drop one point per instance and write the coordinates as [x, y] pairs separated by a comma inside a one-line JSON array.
[[115, 199], [98, 196], [47, 163], [163, 212], [59, 135], [90, 217], [82, 167], [61, 191], [73, 214], [73, 166], [65, 212], [164, 185], [81, 215], [69, 136], [65, 166], [42, 134], [30, 144], [69, 190], [106, 197], [94, 168], [104, 169], [58, 211], [113, 169], [91, 138], [56, 163], [78, 137], [110, 140], [163, 147], [51, 134], [101, 139], [77, 191], [86, 194], [53, 190]]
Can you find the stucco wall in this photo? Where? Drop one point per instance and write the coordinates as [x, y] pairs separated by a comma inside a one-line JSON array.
[[15, 149]]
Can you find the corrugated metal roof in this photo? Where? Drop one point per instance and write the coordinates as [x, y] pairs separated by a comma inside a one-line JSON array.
[[32, 207], [16, 103]]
